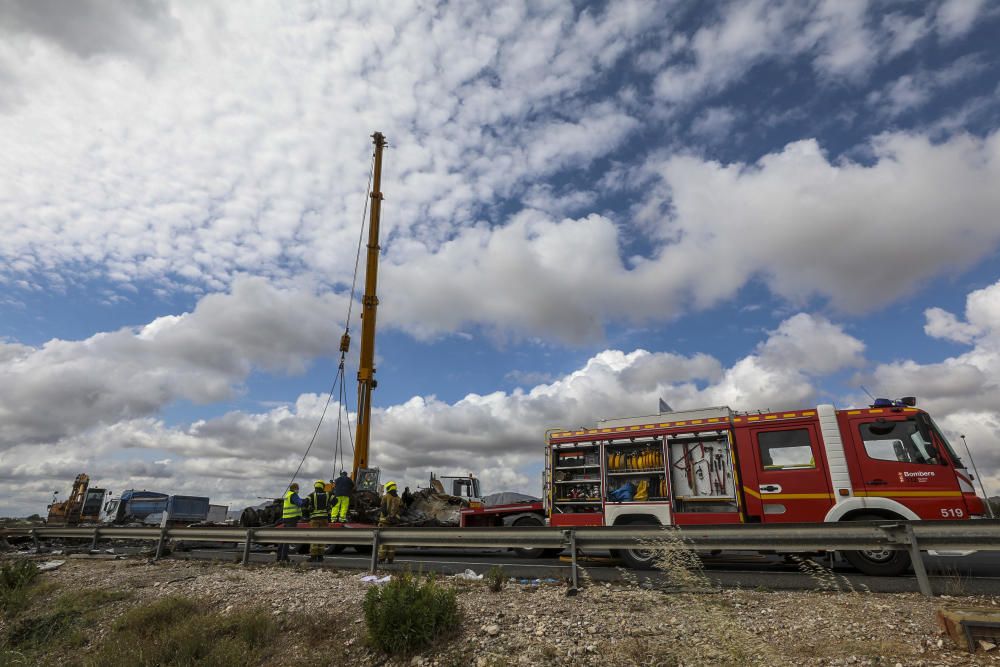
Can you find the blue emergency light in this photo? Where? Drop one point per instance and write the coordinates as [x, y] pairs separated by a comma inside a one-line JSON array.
[[906, 401]]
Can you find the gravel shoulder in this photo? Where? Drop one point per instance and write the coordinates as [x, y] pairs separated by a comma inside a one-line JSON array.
[[533, 625]]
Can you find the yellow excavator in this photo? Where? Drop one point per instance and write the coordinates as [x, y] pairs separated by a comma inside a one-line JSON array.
[[82, 506]]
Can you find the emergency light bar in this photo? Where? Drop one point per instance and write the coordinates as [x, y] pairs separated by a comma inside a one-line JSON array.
[[906, 401]]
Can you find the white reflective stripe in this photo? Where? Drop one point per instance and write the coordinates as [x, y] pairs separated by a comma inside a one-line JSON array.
[[964, 481], [833, 446]]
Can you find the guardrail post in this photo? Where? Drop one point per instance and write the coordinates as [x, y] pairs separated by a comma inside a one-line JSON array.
[[918, 563], [375, 541], [159, 545], [34, 538], [93, 542], [574, 582], [246, 546]]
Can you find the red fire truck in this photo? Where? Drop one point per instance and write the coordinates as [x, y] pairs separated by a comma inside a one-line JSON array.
[[717, 466]]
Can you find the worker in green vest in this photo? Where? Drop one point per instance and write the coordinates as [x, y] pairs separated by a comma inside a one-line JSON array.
[[318, 507], [291, 512]]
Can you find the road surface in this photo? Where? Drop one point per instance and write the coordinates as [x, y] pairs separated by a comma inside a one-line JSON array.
[[975, 574]]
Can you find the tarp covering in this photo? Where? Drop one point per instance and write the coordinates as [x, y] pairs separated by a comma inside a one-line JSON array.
[[508, 498]]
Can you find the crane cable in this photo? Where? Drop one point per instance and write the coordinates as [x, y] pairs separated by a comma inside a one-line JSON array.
[[345, 342]]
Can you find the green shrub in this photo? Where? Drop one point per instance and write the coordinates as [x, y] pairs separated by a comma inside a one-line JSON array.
[[61, 622], [15, 578], [408, 614], [152, 618], [179, 631], [17, 574], [496, 578]]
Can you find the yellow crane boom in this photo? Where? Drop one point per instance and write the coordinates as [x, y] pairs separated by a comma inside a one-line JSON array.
[[369, 303]]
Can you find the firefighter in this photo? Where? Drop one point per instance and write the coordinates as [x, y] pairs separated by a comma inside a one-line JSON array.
[[342, 489], [389, 512], [317, 506], [291, 512]]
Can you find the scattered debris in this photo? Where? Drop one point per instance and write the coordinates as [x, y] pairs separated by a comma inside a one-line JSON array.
[[468, 575], [96, 556], [50, 565], [537, 582], [432, 508], [971, 627], [373, 579]]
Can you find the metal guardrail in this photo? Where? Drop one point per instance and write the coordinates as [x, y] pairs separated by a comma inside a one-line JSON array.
[[913, 536]]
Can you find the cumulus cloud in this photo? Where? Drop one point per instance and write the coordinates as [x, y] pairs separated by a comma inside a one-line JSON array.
[[62, 387], [844, 40], [88, 28], [223, 162], [805, 225], [714, 125], [963, 391], [188, 145], [811, 227], [914, 90], [956, 17], [239, 455]]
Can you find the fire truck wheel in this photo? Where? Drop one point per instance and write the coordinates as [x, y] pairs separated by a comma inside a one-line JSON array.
[[878, 562], [637, 559], [529, 522], [334, 549], [363, 549]]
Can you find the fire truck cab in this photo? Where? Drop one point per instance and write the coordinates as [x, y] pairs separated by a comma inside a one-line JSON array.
[[717, 466]]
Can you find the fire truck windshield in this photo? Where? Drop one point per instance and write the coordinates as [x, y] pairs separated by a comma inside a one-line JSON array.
[[898, 441], [944, 441]]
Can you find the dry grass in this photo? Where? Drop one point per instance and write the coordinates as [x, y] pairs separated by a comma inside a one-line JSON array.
[[683, 568], [825, 578]]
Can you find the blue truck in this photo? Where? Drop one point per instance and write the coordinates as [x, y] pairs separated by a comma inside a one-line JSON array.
[[148, 507]]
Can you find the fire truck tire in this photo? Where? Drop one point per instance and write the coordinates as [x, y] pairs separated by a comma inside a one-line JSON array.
[[334, 549], [878, 563], [363, 549], [637, 559], [528, 522]]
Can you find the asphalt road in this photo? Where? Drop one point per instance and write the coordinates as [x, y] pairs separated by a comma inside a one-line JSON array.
[[975, 574]]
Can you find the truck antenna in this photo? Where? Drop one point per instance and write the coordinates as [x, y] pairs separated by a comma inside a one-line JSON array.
[[865, 389], [986, 497]]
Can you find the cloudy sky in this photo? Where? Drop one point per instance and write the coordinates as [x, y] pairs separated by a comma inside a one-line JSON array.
[[587, 207]]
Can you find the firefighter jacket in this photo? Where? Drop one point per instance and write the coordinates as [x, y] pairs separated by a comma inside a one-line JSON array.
[[391, 507], [291, 506], [317, 504]]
